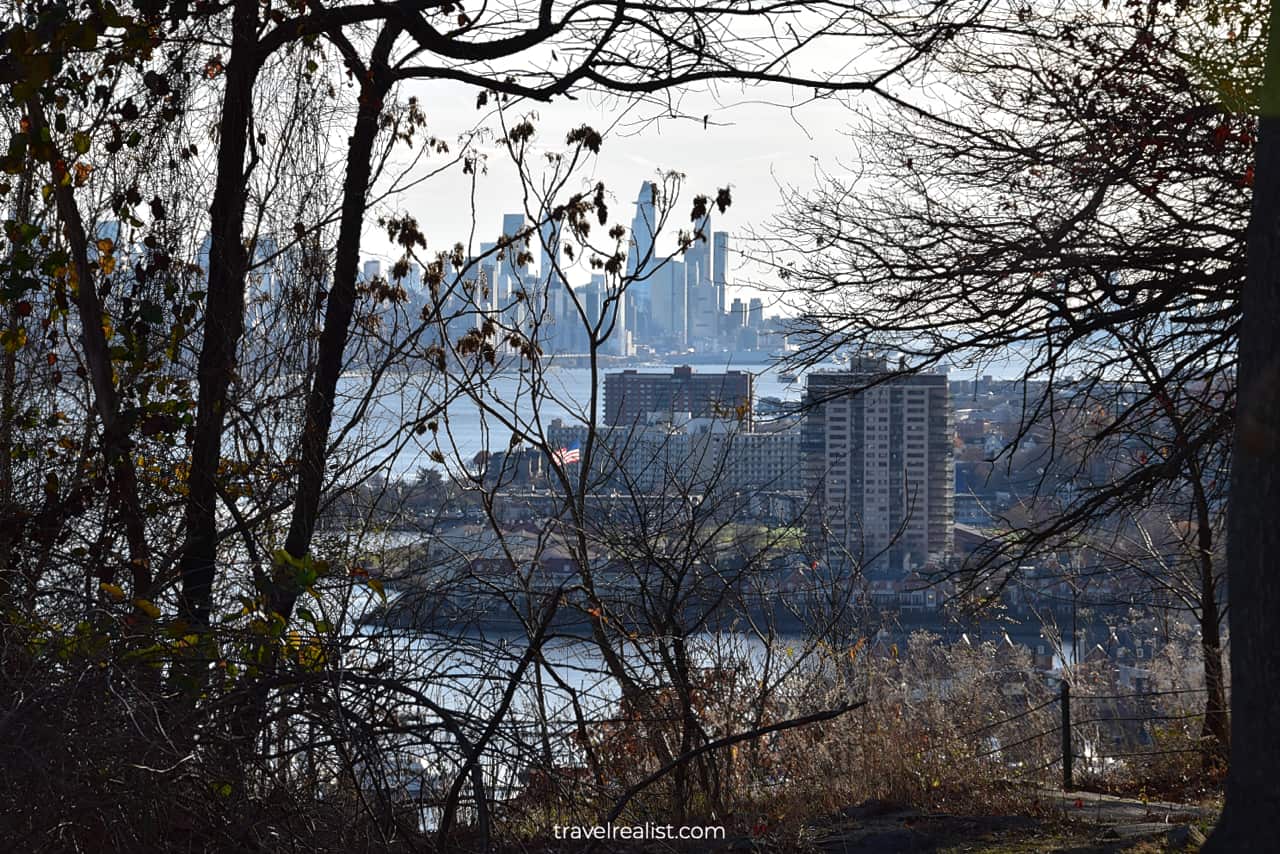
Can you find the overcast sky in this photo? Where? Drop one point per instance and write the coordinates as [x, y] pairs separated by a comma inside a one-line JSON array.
[[752, 142]]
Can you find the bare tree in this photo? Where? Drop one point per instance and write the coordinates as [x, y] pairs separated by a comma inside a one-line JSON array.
[[1075, 218], [1252, 791]]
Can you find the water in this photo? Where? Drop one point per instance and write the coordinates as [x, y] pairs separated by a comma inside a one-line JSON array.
[[398, 409]]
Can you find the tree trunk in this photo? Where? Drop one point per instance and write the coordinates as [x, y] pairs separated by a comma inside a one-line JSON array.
[[339, 309], [338, 312], [116, 443], [1216, 733], [10, 511], [1253, 537], [223, 320]]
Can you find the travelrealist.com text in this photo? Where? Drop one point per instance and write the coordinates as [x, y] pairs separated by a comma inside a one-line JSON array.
[[638, 832]]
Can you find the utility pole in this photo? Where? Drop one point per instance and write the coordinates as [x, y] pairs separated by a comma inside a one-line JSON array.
[[1066, 736]]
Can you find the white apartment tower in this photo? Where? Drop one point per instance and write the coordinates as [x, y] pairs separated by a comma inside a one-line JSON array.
[[878, 456]]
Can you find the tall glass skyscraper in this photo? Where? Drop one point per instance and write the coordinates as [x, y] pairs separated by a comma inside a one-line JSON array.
[[512, 276], [549, 232], [669, 294], [487, 280], [560, 323], [720, 266], [641, 261], [703, 303]]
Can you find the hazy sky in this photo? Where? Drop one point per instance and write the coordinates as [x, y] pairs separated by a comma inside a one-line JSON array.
[[749, 143]]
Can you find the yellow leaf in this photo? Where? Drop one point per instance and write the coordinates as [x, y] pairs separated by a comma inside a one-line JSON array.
[[311, 656], [106, 246], [379, 589], [147, 608], [15, 339], [112, 590], [853, 652]]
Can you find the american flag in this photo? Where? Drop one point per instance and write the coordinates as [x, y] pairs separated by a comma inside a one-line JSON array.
[[565, 456]]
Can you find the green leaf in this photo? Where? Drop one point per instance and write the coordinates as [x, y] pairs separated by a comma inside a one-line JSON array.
[[80, 141], [283, 558]]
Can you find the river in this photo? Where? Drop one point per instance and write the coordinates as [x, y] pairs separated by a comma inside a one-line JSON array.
[[463, 430]]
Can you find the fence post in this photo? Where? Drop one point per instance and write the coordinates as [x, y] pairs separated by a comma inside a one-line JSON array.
[[1066, 736]]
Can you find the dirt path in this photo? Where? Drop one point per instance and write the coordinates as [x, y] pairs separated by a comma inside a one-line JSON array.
[[1073, 823]]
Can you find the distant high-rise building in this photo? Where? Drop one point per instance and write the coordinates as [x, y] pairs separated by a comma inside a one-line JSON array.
[[878, 456], [371, 270], [720, 266], [460, 298], [669, 304], [704, 320], [644, 232], [737, 314], [413, 280], [592, 298], [549, 232], [606, 317], [487, 278], [513, 273], [642, 261], [699, 254], [202, 254], [613, 318], [630, 396], [703, 300], [660, 299], [552, 301], [678, 283], [266, 266], [755, 313]]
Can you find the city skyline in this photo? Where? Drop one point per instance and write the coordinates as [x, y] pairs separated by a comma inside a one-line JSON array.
[[676, 302]]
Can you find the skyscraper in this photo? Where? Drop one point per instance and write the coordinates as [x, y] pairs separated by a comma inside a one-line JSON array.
[[549, 232], [699, 255], [641, 261], [669, 294], [678, 284], [704, 312], [720, 266], [487, 278], [592, 298], [513, 274], [552, 302], [878, 457], [267, 263]]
